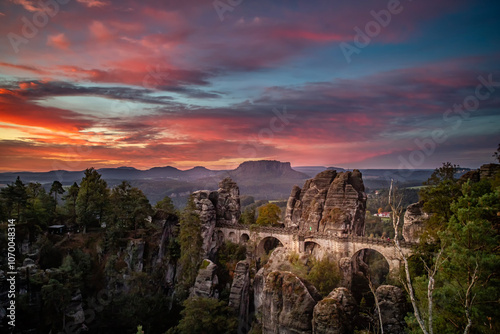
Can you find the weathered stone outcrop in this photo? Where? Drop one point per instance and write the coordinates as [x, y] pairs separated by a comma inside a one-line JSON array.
[[288, 304], [239, 297], [206, 281], [330, 201], [205, 202], [221, 206], [393, 308], [345, 266], [335, 314], [134, 255], [489, 171], [414, 221], [228, 202]]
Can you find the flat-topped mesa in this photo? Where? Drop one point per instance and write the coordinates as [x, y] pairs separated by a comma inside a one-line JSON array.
[[330, 201]]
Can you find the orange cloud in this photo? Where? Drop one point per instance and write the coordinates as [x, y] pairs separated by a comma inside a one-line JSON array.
[[59, 41]]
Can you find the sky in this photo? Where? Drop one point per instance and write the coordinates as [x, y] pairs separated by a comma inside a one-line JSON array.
[[354, 84]]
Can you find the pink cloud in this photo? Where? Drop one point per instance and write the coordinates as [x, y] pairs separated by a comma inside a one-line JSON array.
[[59, 41], [94, 3]]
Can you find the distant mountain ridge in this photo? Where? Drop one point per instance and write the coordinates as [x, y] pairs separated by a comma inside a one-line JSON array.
[[263, 179]]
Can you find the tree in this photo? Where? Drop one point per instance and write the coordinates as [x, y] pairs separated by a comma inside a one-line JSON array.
[[441, 189], [471, 241], [395, 200], [166, 205], [39, 208], [496, 155], [324, 275], [92, 200], [269, 214], [130, 208], [248, 216], [191, 244], [15, 197], [206, 315], [56, 189], [70, 201], [56, 297]]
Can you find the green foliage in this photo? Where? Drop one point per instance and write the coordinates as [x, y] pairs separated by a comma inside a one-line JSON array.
[[50, 256], [15, 197], [166, 205], [324, 275], [441, 189], [248, 216], [125, 311], [130, 208], [206, 315], [56, 189], [228, 255], [269, 215], [92, 200], [40, 207], [471, 242], [191, 242], [70, 202]]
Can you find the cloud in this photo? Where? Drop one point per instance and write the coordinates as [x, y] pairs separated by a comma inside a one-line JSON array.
[[59, 41], [94, 3]]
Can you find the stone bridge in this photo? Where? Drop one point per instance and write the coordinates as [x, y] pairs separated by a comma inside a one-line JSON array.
[[312, 242]]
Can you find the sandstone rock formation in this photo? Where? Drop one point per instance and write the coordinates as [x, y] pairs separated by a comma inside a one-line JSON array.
[[206, 281], [393, 308], [228, 202], [221, 206], [205, 202], [489, 171], [288, 304], [329, 202], [335, 314], [134, 255], [239, 297], [414, 221]]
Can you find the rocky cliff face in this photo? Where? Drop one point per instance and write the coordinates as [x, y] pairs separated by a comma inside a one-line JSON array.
[[489, 171], [221, 206], [288, 304], [228, 202], [393, 308], [239, 298], [414, 221], [206, 281], [335, 314], [330, 201], [205, 202]]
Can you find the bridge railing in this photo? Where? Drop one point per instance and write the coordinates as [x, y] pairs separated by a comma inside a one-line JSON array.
[[309, 234]]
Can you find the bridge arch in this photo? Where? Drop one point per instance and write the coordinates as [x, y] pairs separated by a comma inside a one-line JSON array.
[[368, 265], [313, 248], [232, 237], [244, 238], [267, 244]]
